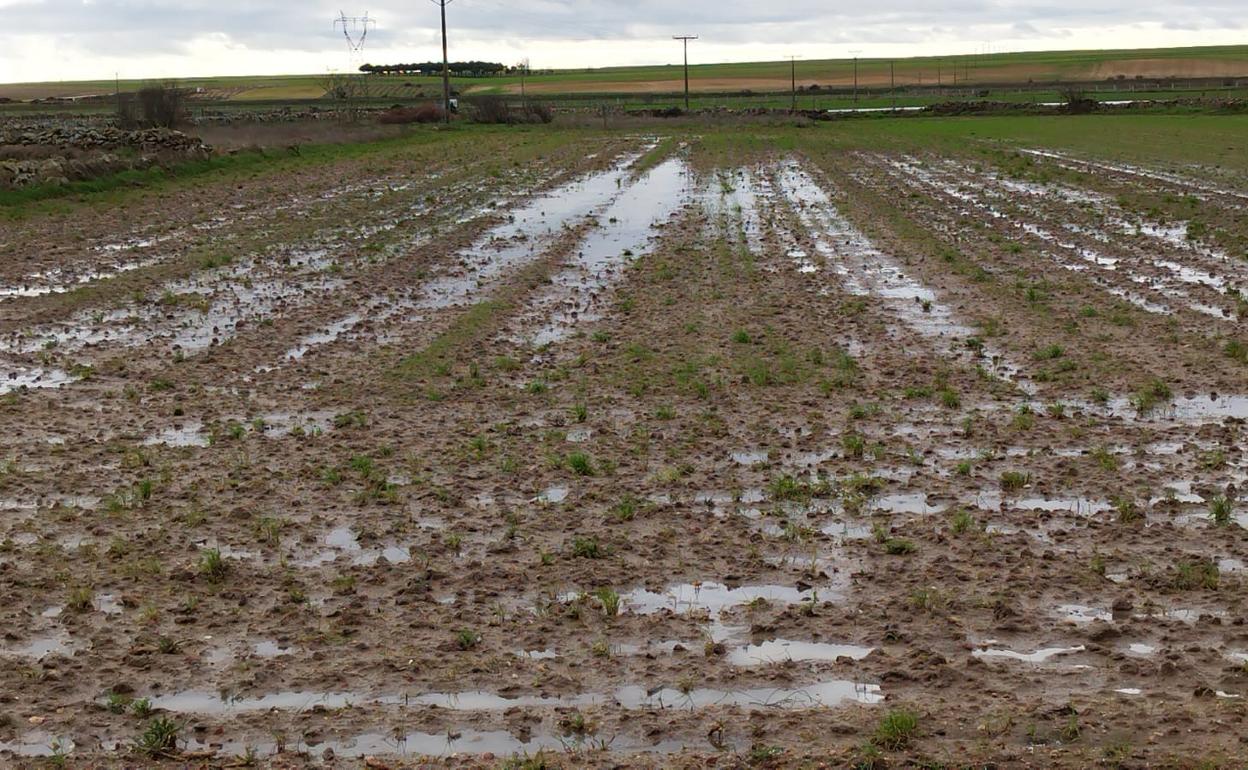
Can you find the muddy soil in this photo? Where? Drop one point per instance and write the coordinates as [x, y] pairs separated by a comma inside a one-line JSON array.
[[608, 450]]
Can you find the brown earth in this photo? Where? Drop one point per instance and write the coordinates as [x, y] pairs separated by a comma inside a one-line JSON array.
[[711, 454]]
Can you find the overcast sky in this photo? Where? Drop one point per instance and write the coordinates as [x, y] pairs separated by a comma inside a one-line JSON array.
[[91, 39]]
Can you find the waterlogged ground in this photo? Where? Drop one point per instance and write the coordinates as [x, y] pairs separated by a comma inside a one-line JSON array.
[[673, 450]]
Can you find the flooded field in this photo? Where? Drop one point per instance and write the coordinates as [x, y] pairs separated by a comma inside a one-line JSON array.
[[656, 449]]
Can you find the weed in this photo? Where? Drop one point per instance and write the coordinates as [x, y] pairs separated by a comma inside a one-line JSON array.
[[609, 600], [949, 398], [896, 730], [1128, 511], [626, 509], [587, 548], [1105, 458], [269, 530], [467, 640], [212, 565], [167, 645], [741, 337], [854, 445], [899, 546], [580, 413], [580, 463], [1024, 418], [141, 708], [159, 738], [117, 703], [962, 522], [1200, 573], [1014, 481], [80, 599], [1150, 396], [1220, 510]]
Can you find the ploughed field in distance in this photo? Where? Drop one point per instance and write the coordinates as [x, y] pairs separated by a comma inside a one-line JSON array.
[[875, 442]]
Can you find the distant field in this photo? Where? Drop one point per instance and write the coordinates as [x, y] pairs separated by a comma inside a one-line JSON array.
[[766, 77]]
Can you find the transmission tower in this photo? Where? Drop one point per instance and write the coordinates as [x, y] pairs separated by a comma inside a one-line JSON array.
[[355, 30]]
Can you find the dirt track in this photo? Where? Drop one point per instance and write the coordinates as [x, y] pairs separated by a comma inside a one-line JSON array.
[[656, 453]]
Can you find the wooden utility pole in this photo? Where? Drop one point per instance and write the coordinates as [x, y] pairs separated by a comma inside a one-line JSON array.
[[793, 79], [855, 53], [685, 39], [892, 76], [446, 64]]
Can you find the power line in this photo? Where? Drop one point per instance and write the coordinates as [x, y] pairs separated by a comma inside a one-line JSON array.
[[685, 39]]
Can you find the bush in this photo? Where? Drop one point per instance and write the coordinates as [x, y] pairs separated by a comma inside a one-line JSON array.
[[425, 113], [496, 109], [158, 106]]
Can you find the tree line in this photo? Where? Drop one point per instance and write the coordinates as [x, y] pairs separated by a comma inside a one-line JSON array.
[[462, 69]]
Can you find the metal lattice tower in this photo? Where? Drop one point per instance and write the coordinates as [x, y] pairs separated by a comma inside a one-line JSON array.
[[355, 30]]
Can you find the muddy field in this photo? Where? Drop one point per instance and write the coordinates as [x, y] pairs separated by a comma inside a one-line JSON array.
[[687, 450]]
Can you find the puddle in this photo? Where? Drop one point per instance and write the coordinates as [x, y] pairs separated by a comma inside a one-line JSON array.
[[40, 647], [915, 503], [1162, 284], [454, 742], [37, 744], [343, 541], [817, 695], [530, 229], [624, 232], [1079, 613], [14, 376], [783, 650], [270, 649], [748, 457], [107, 604], [864, 270], [579, 435], [1199, 409], [552, 495], [1082, 164], [714, 598], [1039, 656], [60, 281], [188, 435], [323, 337]]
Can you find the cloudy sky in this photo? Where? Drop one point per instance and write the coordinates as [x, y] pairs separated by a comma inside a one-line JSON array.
[[89, 39]]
